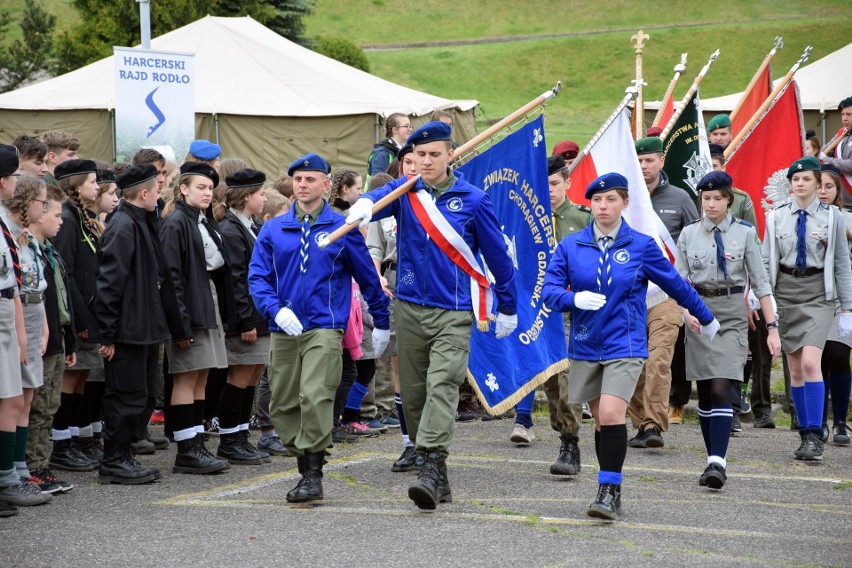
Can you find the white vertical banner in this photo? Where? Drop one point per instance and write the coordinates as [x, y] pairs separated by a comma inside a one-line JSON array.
[[154, 101]]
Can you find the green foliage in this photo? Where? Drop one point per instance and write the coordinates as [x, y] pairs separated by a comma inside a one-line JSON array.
[[287, 19], [26, 57], [342, 50]]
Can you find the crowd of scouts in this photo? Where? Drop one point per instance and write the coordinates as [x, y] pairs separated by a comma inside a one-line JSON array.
[[283, 289]]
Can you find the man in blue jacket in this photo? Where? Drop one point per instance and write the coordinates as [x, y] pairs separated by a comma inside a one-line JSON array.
[[442, 227], [305, 292]]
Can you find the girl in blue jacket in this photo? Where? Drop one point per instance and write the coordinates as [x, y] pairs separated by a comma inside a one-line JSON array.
[[608, 344]]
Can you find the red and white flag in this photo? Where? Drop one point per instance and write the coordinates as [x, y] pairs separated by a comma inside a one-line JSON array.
[[752, 100], [615, 151], [759, 164], [668, 112]]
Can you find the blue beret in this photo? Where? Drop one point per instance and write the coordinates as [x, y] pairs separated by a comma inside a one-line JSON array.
[[309, 163], [806, 164], [431, 132], [8, 160], [606, 182], [245, 178], [135, 175], [831, 168], [716, 179], [199, 169], [70, 168], [205, 150], [716, 149]]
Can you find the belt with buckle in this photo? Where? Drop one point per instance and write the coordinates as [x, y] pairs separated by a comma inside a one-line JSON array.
[[36, 298], [798, 272], [713, 292], [8, 293], [388, 265]]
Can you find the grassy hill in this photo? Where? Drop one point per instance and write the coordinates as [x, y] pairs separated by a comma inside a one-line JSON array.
[[594, 62]]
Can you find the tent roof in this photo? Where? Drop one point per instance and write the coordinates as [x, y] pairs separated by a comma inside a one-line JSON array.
[[825, 81], [281, 78]]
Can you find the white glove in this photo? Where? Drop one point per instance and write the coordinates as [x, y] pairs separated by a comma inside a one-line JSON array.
[[287, 322], [362, 211], [380, 338], [753, 302], [709, 331], [506, 324], [586, 300], [844, 325]]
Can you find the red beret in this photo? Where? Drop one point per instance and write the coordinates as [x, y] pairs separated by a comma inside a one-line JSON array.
[[654, 131], [567, 148]]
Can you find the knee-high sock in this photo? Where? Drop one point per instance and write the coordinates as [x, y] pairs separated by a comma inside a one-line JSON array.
[[230, 405], [721, 417], [704, 421], [198, 415], [62, 418], [183, 421], [403, 427], [840, 386], [352, 407], [524, 410], [798, 396], [613, 451], [20, 456], [248, 405], [77, 403], [814, 398], [598, 445]]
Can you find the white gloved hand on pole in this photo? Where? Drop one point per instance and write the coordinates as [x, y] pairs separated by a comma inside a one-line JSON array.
[[586, 300], [506, 324], [361, 211]]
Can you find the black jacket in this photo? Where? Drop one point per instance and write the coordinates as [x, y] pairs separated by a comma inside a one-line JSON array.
[[77, 245], [382, 155], [240, 245], [60, 339], [184, 252], [135, 301]]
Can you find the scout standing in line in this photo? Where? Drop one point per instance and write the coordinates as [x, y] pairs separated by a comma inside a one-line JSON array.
[[608, 344], [720, 256], [434, 295], [805, 251], [305, 294]]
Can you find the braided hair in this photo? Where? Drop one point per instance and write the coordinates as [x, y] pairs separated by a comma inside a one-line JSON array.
[[26, 191], [70, 186], [341, 179]]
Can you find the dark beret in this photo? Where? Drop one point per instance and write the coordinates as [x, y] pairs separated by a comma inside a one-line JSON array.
[[649, 145], [9, 161], [74, 167], [200, 169], [105, 176], [718, 121], [434, 131], [135, 175], [555, 164], [806, 164], [245, 178], [606, 182], [716, 149], [715, 180], [407, 149], [309, 163]]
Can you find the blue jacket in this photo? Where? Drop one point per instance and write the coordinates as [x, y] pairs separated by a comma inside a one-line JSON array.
[[424, 274], [618, 329], [321, 296]]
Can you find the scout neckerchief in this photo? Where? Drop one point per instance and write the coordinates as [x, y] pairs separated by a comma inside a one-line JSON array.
[[457, 250]]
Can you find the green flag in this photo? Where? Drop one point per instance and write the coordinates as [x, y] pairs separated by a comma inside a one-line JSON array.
[[686, 150]]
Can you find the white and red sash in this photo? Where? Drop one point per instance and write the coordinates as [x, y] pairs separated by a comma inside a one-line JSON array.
[[456, 249]]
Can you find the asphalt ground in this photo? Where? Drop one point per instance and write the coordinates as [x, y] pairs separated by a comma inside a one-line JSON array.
[[507, 510]]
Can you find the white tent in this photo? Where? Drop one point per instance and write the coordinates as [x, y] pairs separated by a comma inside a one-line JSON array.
[[822, 85], [265, 98]]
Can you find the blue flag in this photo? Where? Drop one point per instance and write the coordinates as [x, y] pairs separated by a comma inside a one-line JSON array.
[[514, 174]]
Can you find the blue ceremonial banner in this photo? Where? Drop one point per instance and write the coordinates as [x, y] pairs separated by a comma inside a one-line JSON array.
[[514, 174]]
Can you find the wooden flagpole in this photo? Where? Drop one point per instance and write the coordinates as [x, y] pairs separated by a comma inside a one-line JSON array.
[[688, 95], [460, 151], [639, 108], [678, 69], [778, 45], [769, 100]]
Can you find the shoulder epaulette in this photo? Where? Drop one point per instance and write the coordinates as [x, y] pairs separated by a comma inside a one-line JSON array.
[[583, 208], [692, 222], [743, 222]]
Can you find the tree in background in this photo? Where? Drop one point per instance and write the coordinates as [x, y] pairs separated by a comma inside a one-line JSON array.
[[342, 50], [26, 58]]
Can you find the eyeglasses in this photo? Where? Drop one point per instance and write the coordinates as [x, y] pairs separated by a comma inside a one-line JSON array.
[[44, 204], [405, 126]]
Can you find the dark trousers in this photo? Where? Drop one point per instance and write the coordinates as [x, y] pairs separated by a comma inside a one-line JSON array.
[[761, 369], [681, 388], [131, 377]]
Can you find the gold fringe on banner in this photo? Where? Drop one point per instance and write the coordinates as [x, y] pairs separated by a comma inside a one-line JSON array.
[[516, 397]]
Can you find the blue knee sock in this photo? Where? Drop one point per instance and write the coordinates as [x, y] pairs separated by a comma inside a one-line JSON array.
[[798, 396], [704, 420], [814, 395], [720, 418], [524, 410], [397, 400], [357, 392], [840, 386]]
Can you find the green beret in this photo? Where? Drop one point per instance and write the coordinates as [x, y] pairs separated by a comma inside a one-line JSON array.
[[649, 145], [847, 102], [806, 164], [718, 121]]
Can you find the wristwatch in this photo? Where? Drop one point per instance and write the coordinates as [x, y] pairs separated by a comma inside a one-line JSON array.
[[772, 324]]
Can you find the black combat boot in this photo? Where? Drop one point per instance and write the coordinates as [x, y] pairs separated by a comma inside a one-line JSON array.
[[568, 462], [159, 442], [250, 448], [309, 487], [431, 486], [607, 505], [119, 466], [193, 457], [408, 461], [67, 456], [91, 448], [231, 449]]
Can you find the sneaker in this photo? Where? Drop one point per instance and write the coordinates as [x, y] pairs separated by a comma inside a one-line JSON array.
[[467, 412], [341, 436], [794, 423], [375, 424], [389, 421], [358, 429], [212, 425], [158, 417], [522, 435], [764, 421], [587, 411], [676, 414], [745, 406], [713, 477], [254, 422], [408, 461], [840, 434], [735, 425], [825, 433], [45, 473], [272, 443], [143, 447], [813, 447], [24, 495], [802, 449], [649, 438], [43, 484]]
